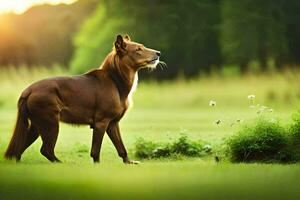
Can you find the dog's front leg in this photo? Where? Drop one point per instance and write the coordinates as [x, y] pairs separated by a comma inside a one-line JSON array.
[[99, 129], [114, 134]]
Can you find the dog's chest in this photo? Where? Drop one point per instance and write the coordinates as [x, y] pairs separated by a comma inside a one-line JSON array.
[[133, 88]]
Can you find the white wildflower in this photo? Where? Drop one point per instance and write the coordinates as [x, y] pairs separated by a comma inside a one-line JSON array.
[[251, 96], [212, 103], [271, 110], [207, 148]]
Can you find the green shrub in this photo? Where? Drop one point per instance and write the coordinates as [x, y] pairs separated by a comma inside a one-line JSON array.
[[186, 147], [263, 141], [295, 127], [163, 151], [183, 146], [294, 141], [144, 149]]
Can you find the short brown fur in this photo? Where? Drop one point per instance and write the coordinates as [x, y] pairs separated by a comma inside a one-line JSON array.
[[98, 98]]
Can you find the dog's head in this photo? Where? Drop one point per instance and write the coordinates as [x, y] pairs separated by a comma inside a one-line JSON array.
[[134, 54]]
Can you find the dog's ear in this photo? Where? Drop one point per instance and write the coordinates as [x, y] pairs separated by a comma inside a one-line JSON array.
[[127, 38], [120, 45]]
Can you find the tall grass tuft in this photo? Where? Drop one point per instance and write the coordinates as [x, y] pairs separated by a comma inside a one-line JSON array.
[[182, 146], [294, 143], [263, 141]]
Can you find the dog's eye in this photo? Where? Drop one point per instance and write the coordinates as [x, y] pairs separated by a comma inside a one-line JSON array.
[[139, 49]]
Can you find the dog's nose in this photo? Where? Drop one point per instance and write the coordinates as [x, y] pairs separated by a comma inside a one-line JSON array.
[[158, 53]]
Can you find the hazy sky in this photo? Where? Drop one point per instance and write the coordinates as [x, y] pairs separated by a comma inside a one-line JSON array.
[[19, 6]]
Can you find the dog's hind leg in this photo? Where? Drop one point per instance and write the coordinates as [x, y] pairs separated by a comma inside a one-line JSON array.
[[31, 136], [44, 115], [49, 138], [47, 125]]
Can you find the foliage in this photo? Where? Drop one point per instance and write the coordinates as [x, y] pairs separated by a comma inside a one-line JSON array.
[[245, 31], [253, 30], [262, 141], [42, 35], [94, 46], [143, 148], [156, 25], [295, 137], [187, 147], [183, 146], [295, 126], [196, 36]]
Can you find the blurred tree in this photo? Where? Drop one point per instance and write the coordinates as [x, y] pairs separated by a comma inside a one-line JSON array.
[[185, 31], [195, 36], [95, 38], [253, 30], [292, 21], [42, 35]]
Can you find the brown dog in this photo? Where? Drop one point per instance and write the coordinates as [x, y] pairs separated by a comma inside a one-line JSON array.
[[98, 98]]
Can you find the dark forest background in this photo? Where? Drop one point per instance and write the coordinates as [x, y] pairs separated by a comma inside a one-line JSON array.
[[194, 36]]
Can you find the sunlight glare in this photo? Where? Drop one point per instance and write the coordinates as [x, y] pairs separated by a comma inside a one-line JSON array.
[[20, 6]]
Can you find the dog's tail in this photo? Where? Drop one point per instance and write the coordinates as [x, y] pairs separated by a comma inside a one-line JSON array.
[[17, 142]]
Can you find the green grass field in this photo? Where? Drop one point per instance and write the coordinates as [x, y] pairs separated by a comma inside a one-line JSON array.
[[161, 111]]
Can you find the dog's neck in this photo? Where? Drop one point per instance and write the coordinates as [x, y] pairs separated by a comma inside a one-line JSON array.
[[124, 76]]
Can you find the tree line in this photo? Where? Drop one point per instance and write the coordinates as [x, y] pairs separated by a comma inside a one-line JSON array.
[[42, 36], [194, 36]]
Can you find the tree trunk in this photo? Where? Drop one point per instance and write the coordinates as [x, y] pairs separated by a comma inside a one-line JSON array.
[[279, 63], [263, 59], [244, 68]]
